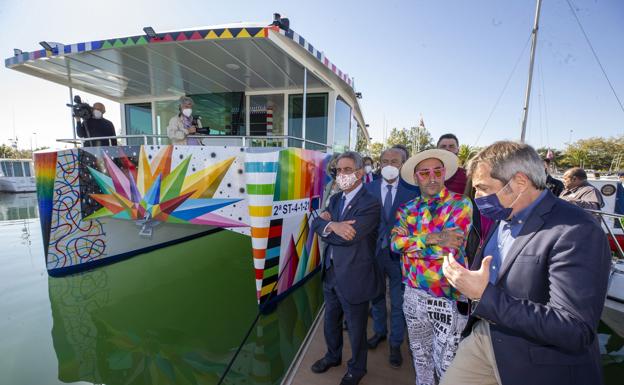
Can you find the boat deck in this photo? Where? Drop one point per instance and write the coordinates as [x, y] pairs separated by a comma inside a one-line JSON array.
[[379, 370]]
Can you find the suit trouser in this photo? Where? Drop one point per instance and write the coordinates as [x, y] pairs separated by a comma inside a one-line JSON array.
[[392, 269], [434, 327], [474, 363], [356, 315]]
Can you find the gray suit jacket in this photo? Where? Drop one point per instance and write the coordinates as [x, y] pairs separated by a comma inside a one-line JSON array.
[[545, 306]]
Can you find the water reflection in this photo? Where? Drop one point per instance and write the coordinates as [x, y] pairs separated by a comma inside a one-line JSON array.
[[18, 206], [175, 316]]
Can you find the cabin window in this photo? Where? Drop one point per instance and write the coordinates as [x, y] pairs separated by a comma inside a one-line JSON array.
[[316, 120], [26, 169], [266, 116], [6, 169], [220, 113], [138, 122], [342, 126], [17, 169]]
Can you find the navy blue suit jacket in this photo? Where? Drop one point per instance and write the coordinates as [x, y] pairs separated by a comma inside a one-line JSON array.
[[357, 275], [403, 195], [545, 306]]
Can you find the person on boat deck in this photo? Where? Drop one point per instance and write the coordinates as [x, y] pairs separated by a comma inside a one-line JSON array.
[[181, 125], [429, 227], [579, 192], [368, 169], [554, 185], [457, 183], [537, 286], [349, 273], [391, 195], [96, 126]]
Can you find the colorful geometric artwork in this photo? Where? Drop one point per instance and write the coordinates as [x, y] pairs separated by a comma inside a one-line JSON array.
[[156, 192], [103, 204]]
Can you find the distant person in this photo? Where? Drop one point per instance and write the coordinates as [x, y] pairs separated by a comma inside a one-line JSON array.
[[182, 125], [368, 169], [553, 184], [579, 192], [403, 183], [350, 276], [391, 195], [428, 228], [96, 126], [457, 183]]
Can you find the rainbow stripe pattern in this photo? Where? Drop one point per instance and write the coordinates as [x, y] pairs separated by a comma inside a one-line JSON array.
[[45, 173]]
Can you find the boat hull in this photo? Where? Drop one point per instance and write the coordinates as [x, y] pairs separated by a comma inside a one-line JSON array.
[[105, 204]]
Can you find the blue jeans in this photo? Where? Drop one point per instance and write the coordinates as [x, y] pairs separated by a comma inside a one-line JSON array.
[[392, 269]]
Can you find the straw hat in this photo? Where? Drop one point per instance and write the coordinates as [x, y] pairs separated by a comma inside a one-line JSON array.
[[448, 159]]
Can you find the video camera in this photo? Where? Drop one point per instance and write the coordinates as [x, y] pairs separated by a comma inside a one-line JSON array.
[[81, 110], [197, 123]]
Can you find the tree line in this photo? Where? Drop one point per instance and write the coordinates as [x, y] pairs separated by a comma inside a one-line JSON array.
[[597, 153]]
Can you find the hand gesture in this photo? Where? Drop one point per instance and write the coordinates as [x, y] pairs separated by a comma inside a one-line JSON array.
[[192, 130], [401, 231], [344, 229], [470, 283], [325, 215]]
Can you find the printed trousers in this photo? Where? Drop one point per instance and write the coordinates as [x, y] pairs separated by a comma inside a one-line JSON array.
[[434, 329]]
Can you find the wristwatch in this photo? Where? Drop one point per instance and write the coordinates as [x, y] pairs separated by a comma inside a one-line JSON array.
[[473, 305]]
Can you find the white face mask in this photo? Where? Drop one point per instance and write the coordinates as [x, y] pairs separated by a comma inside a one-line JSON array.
[[346, 181], [97, 114], [389, 173], [187, 112], [368, 169]]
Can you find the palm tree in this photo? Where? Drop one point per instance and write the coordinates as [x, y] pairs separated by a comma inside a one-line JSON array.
[[465, 153]]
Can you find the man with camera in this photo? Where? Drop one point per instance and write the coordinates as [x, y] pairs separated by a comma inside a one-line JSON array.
[[91, 124], [184, 124]]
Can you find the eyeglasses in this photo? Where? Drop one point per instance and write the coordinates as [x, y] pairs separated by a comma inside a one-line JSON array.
[[437, 172], [346, 170]]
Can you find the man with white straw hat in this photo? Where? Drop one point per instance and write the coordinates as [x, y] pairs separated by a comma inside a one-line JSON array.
[[428, 228]]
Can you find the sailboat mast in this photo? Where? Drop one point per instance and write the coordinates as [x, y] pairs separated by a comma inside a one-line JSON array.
[[532, 61]]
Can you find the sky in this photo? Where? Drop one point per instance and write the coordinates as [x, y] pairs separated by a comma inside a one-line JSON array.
[[447, 60]]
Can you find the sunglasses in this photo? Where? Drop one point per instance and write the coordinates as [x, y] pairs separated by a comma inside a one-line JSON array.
[[437, 172]]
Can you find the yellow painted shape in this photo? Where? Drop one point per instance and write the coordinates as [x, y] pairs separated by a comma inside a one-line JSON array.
[[267, 289], [260, 211], [211, 35], [205, 182], [226, 34], [243, 33]]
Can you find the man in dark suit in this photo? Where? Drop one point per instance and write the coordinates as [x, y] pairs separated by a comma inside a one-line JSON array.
[[539, 284], [390, 194], [350, 275]]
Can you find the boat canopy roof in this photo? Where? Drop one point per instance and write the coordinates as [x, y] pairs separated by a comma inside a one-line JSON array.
[[224, 58]]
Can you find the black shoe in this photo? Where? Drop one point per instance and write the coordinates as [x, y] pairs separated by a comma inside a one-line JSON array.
[[375, 340], [395, 356], [350, 379], [322, 365]]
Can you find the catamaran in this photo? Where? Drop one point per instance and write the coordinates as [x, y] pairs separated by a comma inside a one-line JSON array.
[[274, 107]]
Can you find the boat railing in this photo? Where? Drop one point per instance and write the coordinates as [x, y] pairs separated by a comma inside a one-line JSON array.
[[602, 215], [231, 140]]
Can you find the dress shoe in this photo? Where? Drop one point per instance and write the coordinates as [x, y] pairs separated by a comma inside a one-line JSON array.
[[375, 340], [322, 365], [395, 356], [350, 379]]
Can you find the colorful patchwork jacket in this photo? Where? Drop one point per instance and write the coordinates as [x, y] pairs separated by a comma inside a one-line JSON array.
[[421, 264]]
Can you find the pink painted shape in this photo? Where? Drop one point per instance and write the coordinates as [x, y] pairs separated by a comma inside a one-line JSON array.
[[216, 220], [120, 180]]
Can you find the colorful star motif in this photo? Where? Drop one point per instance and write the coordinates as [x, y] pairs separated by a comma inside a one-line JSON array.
[[155, 192]]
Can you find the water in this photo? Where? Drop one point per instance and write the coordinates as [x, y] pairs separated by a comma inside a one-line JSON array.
[[173, 316]]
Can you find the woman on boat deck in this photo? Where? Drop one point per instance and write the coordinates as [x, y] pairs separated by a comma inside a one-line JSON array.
[[181, 125], [429, 227]]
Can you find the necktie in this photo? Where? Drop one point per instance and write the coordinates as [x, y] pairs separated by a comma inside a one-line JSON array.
[[387, 205], [387, 208], [341, 207]]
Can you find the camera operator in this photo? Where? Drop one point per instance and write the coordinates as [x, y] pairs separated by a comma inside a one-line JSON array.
[[183, 124], [96, 126]]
